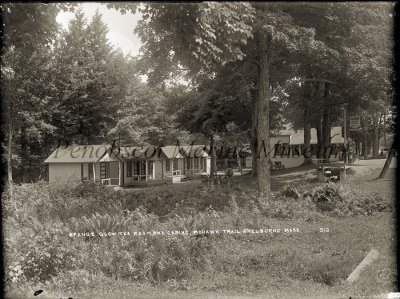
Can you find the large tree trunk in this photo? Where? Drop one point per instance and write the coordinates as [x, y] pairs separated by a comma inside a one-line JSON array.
[[320, 138], [253, 160], [253, 135], [364, 138], [263, 146], [307, 129], [9, 157], [375, 139], [387, 164], [326, 131], [327, 116], [239, 162], [384, 130], [307, 121], [24, 156], [212, 152]]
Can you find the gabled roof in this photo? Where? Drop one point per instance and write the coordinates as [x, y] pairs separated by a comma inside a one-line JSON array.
[[194, 151], [171, 151], [139, 152], [114, 157], [101, 153], [78, 154]]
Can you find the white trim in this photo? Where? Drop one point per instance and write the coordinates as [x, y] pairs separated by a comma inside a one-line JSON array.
[[146, 171], [119, 173]]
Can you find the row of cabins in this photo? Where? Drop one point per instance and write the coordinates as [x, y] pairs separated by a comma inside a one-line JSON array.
[[291, 151], [126, 166], [129, 166]]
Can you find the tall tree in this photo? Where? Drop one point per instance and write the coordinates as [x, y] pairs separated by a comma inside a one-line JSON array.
[[348, 33], [199, 36], [29, 30], [91, 78], [143, 118]]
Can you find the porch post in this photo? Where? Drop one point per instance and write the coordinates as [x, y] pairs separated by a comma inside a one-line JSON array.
[[172, 166], [119, 173], [147, 171], [94, 172]]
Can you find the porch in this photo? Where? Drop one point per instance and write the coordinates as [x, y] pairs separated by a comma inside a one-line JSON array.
[[139, 172], [195, 166], [107, 171]]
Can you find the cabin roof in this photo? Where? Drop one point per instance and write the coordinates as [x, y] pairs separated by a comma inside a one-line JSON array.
[[194, 151], [78, 153], [171, 151], [139, 152]]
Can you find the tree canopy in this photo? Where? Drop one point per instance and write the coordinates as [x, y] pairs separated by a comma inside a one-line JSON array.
[[250, 69]]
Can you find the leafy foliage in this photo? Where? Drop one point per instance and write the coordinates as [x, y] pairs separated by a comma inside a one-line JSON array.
[[90, 80], [40, 246], [191, 35], [143, 117]]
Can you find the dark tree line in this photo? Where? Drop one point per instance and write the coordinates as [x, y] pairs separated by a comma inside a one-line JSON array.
[[250, 68]]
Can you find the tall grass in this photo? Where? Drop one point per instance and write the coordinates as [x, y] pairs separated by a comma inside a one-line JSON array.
[[40, 218]]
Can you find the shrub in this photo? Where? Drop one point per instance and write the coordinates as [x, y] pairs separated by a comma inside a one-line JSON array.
[[41, 215], [278, 206], [100, 223], [290, 191], [43, 251], [336, 200]]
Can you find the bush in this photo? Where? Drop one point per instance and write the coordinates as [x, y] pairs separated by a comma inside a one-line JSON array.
[[39, 252], [41, 215], [338, 201]]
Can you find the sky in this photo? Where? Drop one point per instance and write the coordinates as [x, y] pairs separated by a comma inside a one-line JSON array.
[[120, 26]]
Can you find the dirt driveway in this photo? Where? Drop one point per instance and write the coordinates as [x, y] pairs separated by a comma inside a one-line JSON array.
[[361, 171]]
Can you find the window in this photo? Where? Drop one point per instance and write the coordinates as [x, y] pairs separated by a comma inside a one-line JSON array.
[[168, 165], [196, 163], [150, 169], [136, 170], [129, 169], [104, 170], [188, 163], [139, 170], [175, 164], [135, 167]]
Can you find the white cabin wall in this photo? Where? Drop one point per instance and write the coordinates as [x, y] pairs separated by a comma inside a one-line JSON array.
[[62, 172]]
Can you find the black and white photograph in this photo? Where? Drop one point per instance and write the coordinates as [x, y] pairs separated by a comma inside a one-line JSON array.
[[199, 150]]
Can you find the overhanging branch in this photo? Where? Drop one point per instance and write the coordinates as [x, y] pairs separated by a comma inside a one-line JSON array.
[[327, 105]]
